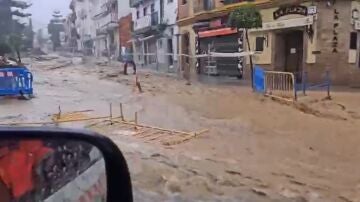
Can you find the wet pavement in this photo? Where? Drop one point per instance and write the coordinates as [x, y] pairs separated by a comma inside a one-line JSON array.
[[257, 149]]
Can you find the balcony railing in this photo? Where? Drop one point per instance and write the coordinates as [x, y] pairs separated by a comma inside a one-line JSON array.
[[107, 19], [142, 22], [147, 21]]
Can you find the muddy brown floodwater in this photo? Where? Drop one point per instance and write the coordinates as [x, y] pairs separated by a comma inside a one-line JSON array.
[[257, 149]]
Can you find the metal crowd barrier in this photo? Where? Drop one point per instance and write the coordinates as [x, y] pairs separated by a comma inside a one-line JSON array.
[[16, 81], [326, 84], [281, 85]]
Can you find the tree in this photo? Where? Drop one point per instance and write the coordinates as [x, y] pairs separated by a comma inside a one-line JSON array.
[[246, 17], [56, 26], [29, 36], [8, 9], [4, 47], [16, 42]]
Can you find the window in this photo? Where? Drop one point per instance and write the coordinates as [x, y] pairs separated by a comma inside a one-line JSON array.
[[259, 43], [184, 2], [137, 14], [145, 11], [171, 31], [353, 40], [152, 8]]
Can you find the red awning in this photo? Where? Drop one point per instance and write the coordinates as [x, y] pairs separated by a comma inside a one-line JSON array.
[[217, 32]]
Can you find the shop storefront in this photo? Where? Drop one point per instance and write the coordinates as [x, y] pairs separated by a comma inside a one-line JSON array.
[[214, 36], [312, 38]]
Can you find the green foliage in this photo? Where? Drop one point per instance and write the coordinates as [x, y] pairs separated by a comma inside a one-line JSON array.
[[4, 48], [9, 43], [15, 41], [245, 17], [54, 28]]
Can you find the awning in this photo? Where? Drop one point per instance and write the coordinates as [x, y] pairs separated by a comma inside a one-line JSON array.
[[217, 32]]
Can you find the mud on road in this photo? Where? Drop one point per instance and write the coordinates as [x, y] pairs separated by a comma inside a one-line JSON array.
[[257, 149]]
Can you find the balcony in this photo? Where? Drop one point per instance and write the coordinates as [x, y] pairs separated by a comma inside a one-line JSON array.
[[203, 5], [107, 23], [135, 3], [146, 21], [184, 10]]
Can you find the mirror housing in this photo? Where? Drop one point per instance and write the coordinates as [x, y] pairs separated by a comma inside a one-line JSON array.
[[118, 179]]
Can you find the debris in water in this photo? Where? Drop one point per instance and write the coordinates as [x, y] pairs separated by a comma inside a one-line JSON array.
[[232, 172], [259, 191]]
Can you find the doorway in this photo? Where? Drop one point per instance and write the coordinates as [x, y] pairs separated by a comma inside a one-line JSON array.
[[289, 52], [170, 51]]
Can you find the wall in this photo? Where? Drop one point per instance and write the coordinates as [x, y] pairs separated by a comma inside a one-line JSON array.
[[342, 72], [170, 17], [266, 57], [170, 11], [183, 30], [125, 31], [143, 5], [318, 52], [84, 22]]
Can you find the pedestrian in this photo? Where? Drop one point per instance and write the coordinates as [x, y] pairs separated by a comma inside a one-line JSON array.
[[129, 59]]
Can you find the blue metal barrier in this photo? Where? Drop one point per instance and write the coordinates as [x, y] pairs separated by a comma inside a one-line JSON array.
[[15, 81], [305, 85], [259, 79]]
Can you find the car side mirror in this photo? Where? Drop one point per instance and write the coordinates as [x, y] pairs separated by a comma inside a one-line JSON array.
[[51, 164]]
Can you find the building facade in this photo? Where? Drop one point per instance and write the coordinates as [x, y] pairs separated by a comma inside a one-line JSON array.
[[296, 36], [155, 33], [97, 25], [105, 17], [125, 36]]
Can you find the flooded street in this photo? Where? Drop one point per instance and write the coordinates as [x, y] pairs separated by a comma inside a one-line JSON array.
[[252, 152]]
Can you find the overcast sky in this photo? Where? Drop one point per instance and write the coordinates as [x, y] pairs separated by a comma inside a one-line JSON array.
[[42, 10]]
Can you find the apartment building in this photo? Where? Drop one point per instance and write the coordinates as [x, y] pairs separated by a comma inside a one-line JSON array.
[[105, 17], [97, 25], [296, 36], [155, 33]]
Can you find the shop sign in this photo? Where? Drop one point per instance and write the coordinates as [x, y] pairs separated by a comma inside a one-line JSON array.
[[312, 10], [357, 24], [296, 22], [290, 10], [336, 24], [217, 32]]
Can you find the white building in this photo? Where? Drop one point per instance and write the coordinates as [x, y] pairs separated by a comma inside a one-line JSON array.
[[105, 17], [83, 23], [97, 25], [155, 30]]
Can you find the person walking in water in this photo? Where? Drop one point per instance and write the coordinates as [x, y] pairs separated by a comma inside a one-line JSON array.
[[129, 59]]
